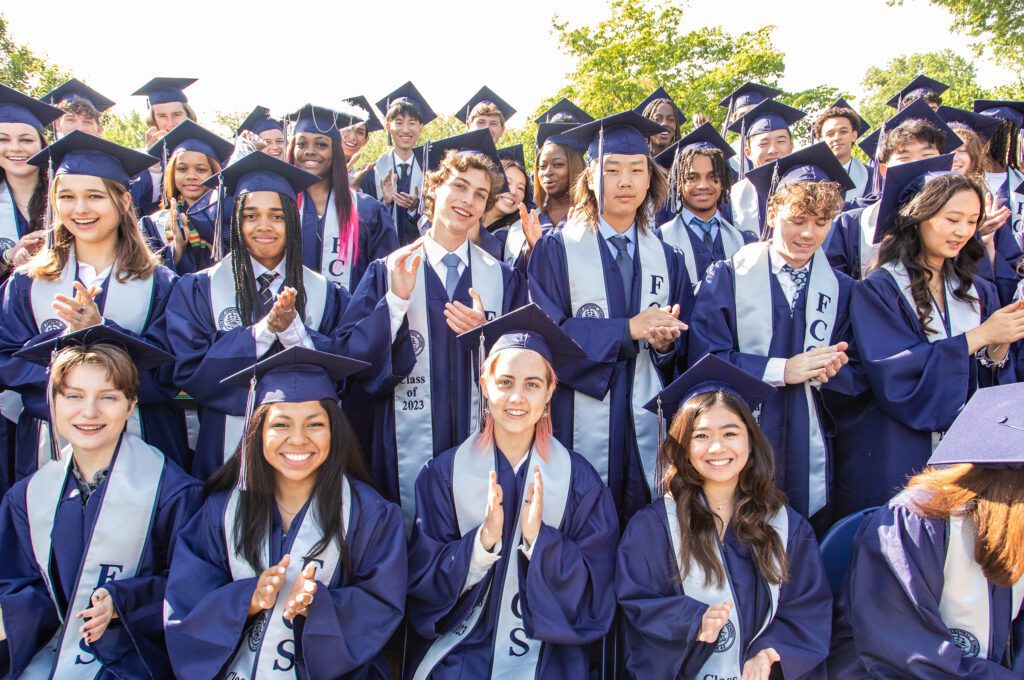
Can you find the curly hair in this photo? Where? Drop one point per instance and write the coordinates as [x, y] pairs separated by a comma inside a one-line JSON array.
[[462, 161], [683, 166], [821, 199], [835, 112]]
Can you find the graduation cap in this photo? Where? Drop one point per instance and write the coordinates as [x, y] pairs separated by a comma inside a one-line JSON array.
[[1005, 109], [485, 95], [902, 183], [191, 136], [80, 153], [525, 328], [704, 137], [768, 116], [144, 355], [409, 94], [513, 153], [660, 93], [989, 431], [815, 163], [372, 123], [294, 375], [16, 107], [862, 125], [564, 111], [261, 172], [983, 126], [918, 110], [921, 85], [318, 120], [75, 90], [164, 90], [555, 133], [748, 94], [474, 141], [259, 121]]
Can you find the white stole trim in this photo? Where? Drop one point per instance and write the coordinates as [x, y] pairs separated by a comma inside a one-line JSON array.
[[470, 482], [270, 630], [858, 173], [388, 162], [1015, 202], [333, 268], [963, 316], [115, 548], [727, 660], [9, 234], [588, 298], [754, 327], [676, 233], [515, 241], [868, 250], [225, 317], [414, 427], [745, 214], [965, 606]]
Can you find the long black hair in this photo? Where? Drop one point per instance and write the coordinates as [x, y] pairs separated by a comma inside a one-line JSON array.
[[346, 209], [257, 503], [241, 265], [903, 243]]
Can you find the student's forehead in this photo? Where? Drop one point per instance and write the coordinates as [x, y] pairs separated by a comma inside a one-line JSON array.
[[472, 176], [624, 159]]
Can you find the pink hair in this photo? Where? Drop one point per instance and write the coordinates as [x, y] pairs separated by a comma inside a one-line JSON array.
[[542, 431]]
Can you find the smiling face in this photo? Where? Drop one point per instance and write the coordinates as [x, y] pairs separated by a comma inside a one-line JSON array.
[[90, 412], [626, 180], [405, 131], [701, 187], [18, 143], [296, 440], [797, 235], [769, 146], [840, 134], [509, 201], [945, 234], [353, 139], [460, 201], [87, 210], [313, 153], [191, 169], [262, 222], [275, 143], [665, 115], [518, 388], [553, 170], [719, 445]]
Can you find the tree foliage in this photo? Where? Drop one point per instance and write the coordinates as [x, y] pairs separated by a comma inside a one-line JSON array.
[[25, 70]]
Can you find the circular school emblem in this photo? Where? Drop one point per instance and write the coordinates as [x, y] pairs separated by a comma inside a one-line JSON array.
[[52, 325], [418, 343], [256, 632], [966, 641], [6, 244], [229, 319], [590, 311], [726, 638]]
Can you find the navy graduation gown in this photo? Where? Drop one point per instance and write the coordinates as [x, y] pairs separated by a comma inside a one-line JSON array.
[[661, 623], [377, 236], [918, 387], [565, 588], [163, 425], [704, 258], [888, 622], [611, 355], [450, 367], [842, 247], [349, 621], [406, 224], [784, 417], [141, 188], [133, 644]]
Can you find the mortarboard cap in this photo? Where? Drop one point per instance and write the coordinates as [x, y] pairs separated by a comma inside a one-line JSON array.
[[76, 90], [748, 94], [372, 123], [259, 121], [710, 374], [318, 120], [164, 90], [989, 431], [660, 93], [623, 133], [513, 153], [1006, 109], [17, 107], [704, 137], [564, 111], [768, 116], [261, 172], [80, 153], [918, 110], [485, 95], [145, 355], [862, 125], [190, 136], [921, 85], [475, 141], [295, 375], [902, 183], [408, 93], [555, 133], [982, 125], [525, 328], [815, 163]]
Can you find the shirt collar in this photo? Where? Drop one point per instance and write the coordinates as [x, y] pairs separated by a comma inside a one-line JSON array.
[[778, 262], [608, 231], [258, 269], [435, 251], [688, 216]]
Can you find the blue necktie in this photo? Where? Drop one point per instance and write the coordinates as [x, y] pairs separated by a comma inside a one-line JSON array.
[[799, 277], [705, 227], [264, 293], [625, 264], [451, 281]]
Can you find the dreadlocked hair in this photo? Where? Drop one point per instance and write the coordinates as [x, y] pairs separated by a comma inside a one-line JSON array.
[[1003, 147], [683, 166], [241, 263]]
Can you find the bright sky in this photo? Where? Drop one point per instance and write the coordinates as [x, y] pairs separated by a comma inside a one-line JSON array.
[[248, 53]]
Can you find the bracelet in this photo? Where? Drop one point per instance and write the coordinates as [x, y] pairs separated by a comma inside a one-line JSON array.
[[988, 362]]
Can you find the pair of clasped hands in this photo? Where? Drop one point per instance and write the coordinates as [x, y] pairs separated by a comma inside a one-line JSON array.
[[270, 582], [759, 666]]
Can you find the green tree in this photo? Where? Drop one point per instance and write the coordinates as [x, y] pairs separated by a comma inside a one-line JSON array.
[[995, 26], [25, 70], [125, 129]]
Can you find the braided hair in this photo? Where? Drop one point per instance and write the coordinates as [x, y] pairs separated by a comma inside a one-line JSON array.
[[1002, 148], [241, 265], [683, 166]]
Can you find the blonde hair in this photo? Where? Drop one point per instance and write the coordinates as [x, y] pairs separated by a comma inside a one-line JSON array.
[[486, 109], [118, 365], [543, 429], [821, 199]]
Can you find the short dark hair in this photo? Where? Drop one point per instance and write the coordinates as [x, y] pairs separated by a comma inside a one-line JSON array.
[[835, 112], [403, 107], [916, 130]]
